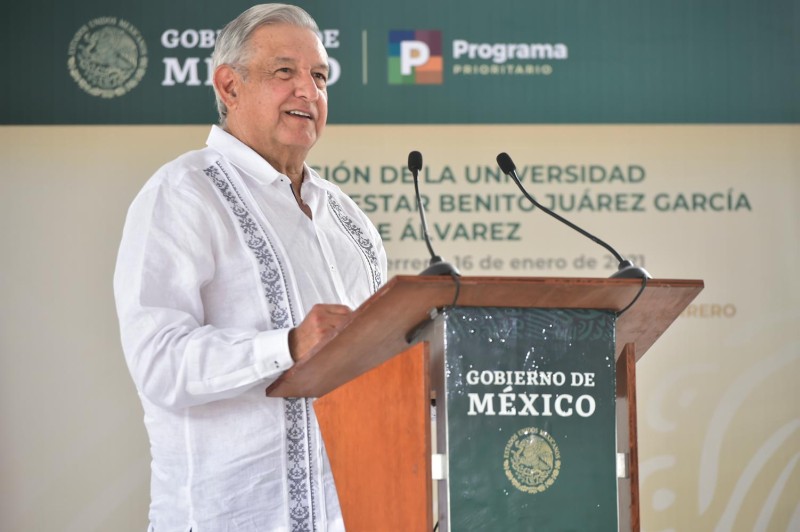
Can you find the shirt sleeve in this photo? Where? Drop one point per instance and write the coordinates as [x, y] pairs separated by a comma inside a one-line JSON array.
[[176, 359]]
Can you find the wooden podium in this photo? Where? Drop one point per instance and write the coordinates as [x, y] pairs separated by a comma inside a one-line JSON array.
[[375, 382]]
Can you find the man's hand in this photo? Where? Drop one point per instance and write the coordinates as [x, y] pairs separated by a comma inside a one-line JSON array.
[[316, 325]]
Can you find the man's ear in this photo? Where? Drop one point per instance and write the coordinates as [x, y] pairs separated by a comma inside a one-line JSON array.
[[226, 81]]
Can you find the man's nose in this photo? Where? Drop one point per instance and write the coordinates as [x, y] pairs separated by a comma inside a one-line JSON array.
[[306, 87]]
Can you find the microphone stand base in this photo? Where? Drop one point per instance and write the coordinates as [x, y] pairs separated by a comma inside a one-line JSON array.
[[628, 270], [440, 268]]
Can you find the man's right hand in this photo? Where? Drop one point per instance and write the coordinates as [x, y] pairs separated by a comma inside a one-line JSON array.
[[318, 324]]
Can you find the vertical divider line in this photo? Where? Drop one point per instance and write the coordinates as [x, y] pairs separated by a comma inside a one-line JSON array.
[[363, 57]]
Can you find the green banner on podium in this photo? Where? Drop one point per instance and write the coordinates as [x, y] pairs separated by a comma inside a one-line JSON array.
[[530, 419]]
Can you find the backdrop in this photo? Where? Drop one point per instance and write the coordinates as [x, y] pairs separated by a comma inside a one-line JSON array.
[[669, 130]]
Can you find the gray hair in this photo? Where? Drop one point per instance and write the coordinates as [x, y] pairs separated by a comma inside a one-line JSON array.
[[232, 43]]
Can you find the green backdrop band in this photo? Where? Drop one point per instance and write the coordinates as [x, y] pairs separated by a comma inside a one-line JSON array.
[[619, 61]]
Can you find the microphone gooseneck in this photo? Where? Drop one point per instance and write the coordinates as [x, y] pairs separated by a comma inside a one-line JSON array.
[[626, 267], [437, 265]]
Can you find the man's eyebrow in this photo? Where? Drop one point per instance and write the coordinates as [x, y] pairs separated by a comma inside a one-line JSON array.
[[293, 61]]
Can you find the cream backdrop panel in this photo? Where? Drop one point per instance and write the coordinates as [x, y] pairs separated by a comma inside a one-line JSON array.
[[719, 412]]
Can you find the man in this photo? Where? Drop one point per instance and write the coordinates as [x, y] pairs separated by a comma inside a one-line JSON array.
[[235, 261]]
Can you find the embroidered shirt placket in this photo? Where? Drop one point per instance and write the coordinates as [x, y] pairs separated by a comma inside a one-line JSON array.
[[301, 483], [361, 241]]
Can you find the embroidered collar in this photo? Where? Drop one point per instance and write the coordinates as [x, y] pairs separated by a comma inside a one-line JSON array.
[[241, 156]]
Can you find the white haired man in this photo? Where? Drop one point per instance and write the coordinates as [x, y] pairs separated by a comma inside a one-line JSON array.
[[235, 261]]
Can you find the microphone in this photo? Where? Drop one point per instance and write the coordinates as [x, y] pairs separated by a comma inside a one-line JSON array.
[[437, 265], [627, 269]]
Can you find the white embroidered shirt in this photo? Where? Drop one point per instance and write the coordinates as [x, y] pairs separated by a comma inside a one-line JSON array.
[[216, 264]]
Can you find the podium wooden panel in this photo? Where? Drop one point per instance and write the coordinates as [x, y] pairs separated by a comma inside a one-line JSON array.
[[377, 427]]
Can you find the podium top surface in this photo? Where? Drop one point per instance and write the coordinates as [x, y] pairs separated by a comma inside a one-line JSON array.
[[377, 330]]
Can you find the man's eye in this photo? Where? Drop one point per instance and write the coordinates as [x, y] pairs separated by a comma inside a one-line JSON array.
[[322, 79]]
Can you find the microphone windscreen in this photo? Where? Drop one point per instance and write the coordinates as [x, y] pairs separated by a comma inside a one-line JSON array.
[[415, 161], [505, 163]]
